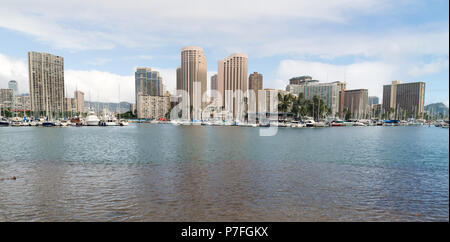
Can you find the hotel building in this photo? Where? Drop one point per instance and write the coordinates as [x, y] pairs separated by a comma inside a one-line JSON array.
[[193, 81], [357, 102], [404, 97], [255, 84], [46, 80], [331, 93], [6, 98], [233, 74], [152, 107], [79, 101]]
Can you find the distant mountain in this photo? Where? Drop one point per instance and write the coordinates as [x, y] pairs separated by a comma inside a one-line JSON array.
[[436, 109], [124, 106]]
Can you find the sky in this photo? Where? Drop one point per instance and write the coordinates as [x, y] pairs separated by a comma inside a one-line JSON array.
[[367, 43]]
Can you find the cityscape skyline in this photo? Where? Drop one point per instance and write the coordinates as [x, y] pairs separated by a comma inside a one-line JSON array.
[[364, 54]]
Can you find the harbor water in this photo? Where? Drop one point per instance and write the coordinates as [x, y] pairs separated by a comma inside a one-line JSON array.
[[161, 172]]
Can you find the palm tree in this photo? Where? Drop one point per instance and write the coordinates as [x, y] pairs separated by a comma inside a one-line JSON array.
[[284, 102]]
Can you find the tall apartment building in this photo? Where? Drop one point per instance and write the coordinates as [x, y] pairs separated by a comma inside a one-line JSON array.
[[216, 93], [357, 102], [406, 98], [46, 80], [300, 80], [22, 103], [233, 73], [373, 100], [79, 101], [214, 83], [148, 82], [71, 105], [152, 107], [14, 86], [255, 84], [179, 81], [269, 103], [193, 81], [6, 98], [332, 93]]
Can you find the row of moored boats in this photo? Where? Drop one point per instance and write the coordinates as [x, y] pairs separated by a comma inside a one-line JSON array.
[[90, 120]]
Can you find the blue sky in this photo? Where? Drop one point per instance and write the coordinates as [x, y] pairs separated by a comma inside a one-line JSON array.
[[367, 43]]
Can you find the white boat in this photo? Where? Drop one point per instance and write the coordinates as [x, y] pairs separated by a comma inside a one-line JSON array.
[[92, 119], [123, 122], [65, 123], [309, 123], [16, 123], [110, 121], [359, 124]]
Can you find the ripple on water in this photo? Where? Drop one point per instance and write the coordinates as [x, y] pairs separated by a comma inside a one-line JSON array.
[[174, 173]]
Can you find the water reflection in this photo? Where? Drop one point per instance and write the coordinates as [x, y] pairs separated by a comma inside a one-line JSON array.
[[176, 173]]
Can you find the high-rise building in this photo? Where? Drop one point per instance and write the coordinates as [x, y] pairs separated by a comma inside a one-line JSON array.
[[79, 101], [179, 81], [22, 103], [6, 98], [342, 88], [373, 100], [404, 98], [255, 84], [356, 102], [233, 73], [300, 80], [71, 105], [46, 79], [193, 78], [376, 110], [152, 107], [148, 82], [216, 91], [214, 84], [14, 86], [330, 93]]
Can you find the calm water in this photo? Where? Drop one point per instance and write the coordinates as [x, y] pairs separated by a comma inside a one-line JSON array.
[[180, 173]]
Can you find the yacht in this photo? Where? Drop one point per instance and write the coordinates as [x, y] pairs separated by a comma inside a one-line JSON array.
[[65, 123], [309, 123], [109, 121], [92, 119], [4, 122], [48, 123], [123, 122], [16, 123], [338, 123]]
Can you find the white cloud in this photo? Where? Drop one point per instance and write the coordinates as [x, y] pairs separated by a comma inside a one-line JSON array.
[[99, 85], [13, 69], [429, 68], [82, 24]]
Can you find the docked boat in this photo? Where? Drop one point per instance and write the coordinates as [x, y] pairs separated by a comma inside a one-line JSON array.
[[4, 122], [92, 119], [123, 122], [309, 123], [65, 123], [109, 121], [76, 121], [48, 124], [338, 123]]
